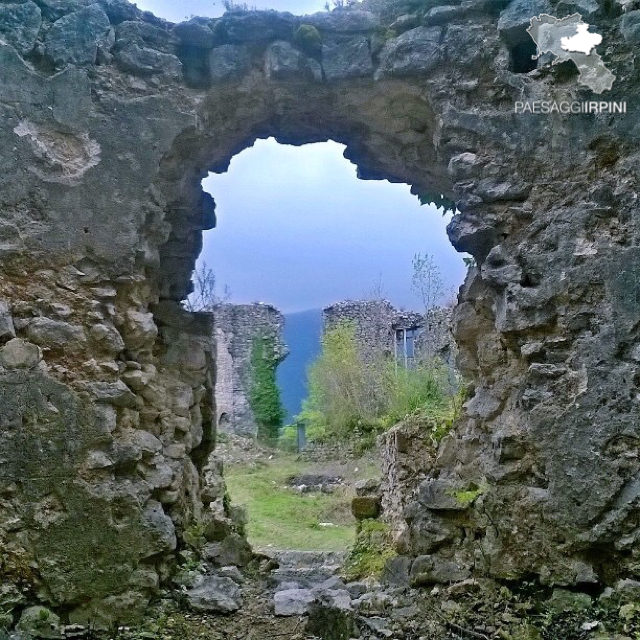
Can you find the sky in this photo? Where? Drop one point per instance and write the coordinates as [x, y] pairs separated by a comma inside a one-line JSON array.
[[179, 11], [297, 229]]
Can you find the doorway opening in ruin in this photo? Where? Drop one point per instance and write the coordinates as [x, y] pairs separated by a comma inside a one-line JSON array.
[[298, 232]]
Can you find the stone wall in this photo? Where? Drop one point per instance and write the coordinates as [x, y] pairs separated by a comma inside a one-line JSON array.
[[109, 120], [236, 327], [377, 321]]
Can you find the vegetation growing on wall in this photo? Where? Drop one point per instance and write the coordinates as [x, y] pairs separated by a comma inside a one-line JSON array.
[[349, 394], [264, 395]]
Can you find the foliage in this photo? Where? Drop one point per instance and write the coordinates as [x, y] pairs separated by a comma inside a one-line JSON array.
[[237, 7], [308, 38], [427, 281], [205, 296], [350, 395], [264, 394], [372, 550], [440, 201]]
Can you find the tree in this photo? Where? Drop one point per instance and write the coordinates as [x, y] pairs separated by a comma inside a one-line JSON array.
[[427, 280], [205, 296], [264, 394]]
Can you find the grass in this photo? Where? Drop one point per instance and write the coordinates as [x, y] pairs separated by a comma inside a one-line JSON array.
[[281, 518]]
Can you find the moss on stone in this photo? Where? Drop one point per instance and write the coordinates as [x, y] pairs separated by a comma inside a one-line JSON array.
[[372, 550], [308, 38]]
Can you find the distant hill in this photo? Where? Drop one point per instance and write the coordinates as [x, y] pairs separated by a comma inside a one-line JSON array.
[[302, 333]]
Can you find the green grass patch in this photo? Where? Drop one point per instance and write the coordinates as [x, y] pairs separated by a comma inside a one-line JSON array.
[[281, 518]]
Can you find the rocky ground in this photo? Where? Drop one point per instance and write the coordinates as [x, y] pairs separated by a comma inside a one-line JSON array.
[[302, 596]]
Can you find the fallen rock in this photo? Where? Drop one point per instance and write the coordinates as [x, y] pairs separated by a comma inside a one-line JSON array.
[[293, 602], [215, 594]]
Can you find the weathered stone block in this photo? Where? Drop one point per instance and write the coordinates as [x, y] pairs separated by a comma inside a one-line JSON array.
[[630, 27], [293, 602], [283, 62], [18, 354], [20, 25], [346, 58], [343, 21], [215, 595], [75, 38], [228, 62], [433, 570], [143, 61], [7, 330], [440, 495], [195, 33], [416, 52], [515, 19]]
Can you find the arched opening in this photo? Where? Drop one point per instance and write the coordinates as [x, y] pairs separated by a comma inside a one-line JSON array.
[[297, 232]]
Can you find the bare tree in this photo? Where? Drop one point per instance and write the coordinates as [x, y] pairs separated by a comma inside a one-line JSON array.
[[205, 296], [378, 291], [427, 280]]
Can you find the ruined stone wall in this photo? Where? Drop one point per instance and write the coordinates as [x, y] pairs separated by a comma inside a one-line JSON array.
[[376, 321], [236, 327], [109, 120]]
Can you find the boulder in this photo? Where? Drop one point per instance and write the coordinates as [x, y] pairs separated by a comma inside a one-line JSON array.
[[75, 38], [215, 594], [563, 600], [516, 18], [416, 52], [284, 62], [19, 354], [229, 62], [20, 24], [146, 35], [346, 58], [293, 602], [55, 334]]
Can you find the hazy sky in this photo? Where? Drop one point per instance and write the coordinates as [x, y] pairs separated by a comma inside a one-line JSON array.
[[178, 11], [296, 228]]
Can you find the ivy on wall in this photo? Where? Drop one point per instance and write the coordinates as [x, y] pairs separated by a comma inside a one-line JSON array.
[[264, 395]]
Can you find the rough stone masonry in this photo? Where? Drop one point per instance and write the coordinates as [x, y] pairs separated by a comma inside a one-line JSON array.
[[110, 118], [236, 327]]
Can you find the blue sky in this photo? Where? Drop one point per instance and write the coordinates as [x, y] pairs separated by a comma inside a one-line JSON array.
[[296, 228], [178, 11]]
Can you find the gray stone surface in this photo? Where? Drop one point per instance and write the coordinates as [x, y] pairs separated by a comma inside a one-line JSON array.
[[515, 19], [414, 53], [630, 27], [40, 622], [76, 37], [20, 25], [229, 62], [215, 595], [143, 61], [347, 58], [284, 62], [7, 330], [293, 602]]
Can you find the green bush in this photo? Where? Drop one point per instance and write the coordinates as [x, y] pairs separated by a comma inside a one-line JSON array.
[[350, 395], [264, 395]]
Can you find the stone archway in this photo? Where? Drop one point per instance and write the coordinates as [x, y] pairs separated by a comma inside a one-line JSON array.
[[106, 383]]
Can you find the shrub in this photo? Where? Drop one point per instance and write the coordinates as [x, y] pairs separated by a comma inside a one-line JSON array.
[[350, 395]]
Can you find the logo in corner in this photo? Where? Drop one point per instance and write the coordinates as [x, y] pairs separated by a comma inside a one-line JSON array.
[[569, 39]]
